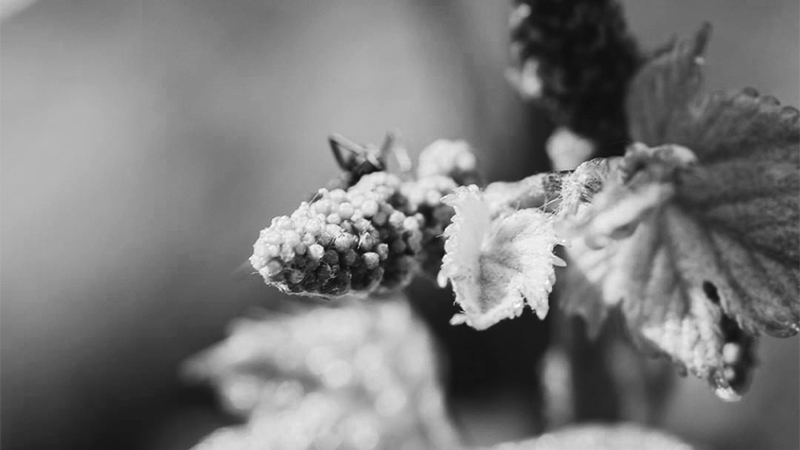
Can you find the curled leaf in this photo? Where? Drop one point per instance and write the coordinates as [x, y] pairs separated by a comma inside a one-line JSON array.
[[700, 236], [497, 264]]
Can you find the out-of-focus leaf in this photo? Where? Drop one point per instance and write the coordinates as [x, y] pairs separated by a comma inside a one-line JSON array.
[[661, 91], [497, 264], [600, 437], [699, 239], [364, 372]]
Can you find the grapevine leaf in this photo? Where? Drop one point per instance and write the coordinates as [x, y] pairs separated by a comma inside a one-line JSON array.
[[743, 192], [699, 238], [496, 264], [662, 89]]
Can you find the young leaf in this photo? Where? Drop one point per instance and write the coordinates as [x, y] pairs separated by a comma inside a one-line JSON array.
[[496, 264], [702, 236]]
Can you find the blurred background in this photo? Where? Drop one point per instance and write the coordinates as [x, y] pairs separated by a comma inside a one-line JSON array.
[[144, 144]]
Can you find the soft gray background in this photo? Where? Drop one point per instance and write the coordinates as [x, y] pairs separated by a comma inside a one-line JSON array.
[[145, 143]]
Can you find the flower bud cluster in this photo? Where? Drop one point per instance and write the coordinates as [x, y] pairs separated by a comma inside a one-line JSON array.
[[453, 159], [369, 237], [424, 196], [575, 59]]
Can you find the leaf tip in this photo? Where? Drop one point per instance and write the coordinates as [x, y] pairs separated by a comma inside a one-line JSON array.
[[702, 37]]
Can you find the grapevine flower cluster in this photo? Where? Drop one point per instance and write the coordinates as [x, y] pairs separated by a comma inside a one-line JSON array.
[[373, 236]]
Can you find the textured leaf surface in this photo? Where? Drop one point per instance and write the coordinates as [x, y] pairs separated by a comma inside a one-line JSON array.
[[497, 264], [700, 238]]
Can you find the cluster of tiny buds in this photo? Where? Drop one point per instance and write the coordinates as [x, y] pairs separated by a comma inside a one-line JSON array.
[[453, 159], [362, 239], [374, 235], [424, 197]]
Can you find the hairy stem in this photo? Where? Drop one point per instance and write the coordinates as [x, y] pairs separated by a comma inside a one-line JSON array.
[[552, 191]]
